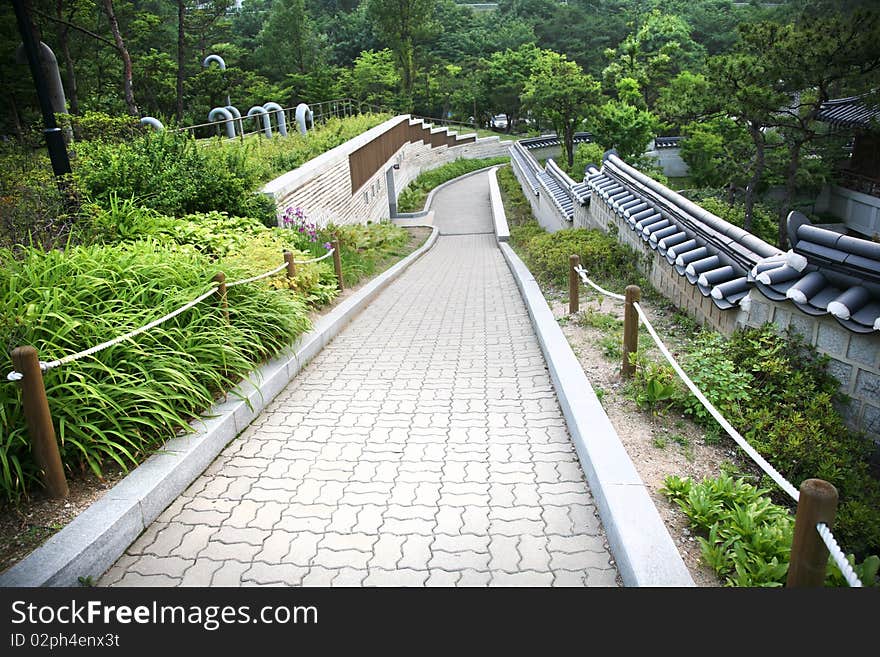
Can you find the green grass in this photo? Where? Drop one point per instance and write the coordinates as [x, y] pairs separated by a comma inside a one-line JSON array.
[[412, 198]]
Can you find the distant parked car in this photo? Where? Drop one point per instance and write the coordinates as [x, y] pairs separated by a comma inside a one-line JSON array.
[[499, 122]]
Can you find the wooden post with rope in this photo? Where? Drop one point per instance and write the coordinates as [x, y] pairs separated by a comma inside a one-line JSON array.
[[291, 268], [817, 503], [39, 421], [337, 263], [220, 278], [573, 284], [630, 330]]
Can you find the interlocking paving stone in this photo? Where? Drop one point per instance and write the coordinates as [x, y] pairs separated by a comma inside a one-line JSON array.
[[424, 446]]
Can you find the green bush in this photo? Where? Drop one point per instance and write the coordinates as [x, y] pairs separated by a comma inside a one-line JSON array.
[[125, 401], [516, 205], [412, 198], [744, 537], [172, 174], [546, 254], [777, 392]]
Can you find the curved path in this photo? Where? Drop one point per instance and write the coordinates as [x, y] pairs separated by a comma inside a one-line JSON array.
[[423, 446]]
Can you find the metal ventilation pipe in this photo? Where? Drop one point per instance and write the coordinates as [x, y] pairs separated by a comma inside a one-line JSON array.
[[234, 111], [302, 113], [155, 124], [267, 122], [280, 118], [223, 113], [53, 81], [222, 64]]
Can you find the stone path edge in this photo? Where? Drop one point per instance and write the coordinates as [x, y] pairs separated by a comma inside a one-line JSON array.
[[98, 536], [419, 214], [645, 553]]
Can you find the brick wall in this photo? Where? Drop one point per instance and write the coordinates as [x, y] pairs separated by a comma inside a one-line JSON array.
[[322, 186]]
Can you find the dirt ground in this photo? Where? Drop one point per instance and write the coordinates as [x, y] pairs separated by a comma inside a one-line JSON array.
[[666, 444], [27, 525]]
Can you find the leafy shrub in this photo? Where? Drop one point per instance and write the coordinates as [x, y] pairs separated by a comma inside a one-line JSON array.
[[102, 127], [546, 254], [170, 173], [33, 210], [516, 205], [726, 386], [745, 537], [412, 198], [777, 392]]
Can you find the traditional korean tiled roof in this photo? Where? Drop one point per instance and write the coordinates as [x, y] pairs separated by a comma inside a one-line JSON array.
[[667, 142], [825, 272], [545, 141], [552, 181], [852, 112]]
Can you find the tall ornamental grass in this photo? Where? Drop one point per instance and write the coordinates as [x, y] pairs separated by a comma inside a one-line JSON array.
[[125, 401]]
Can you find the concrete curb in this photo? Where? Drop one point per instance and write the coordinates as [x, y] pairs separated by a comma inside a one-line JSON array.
[[499, 217], [96, 538], [430, 199], [642, 547]]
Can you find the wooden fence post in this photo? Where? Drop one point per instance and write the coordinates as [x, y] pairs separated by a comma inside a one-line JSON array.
[[220, 277], [630, 330], [39, 421], [573, 284], [291, 268], [809, 555], [337, 264]]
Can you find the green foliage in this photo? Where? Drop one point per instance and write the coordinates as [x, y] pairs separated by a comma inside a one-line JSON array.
[[98, 125], [652, 383], [170, 173], [584, 156], [125, 401], [547, 254], [626, 128], [776, 391], [516, 205], [728, 388], [412, 198], [745, 537]]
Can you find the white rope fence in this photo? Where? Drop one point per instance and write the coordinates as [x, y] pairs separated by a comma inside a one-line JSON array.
[[823, 530], [258, 277], [318, 259], [837, 554], [583, 274], [52, 364]]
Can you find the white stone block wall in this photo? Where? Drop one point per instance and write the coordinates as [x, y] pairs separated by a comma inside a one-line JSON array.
[[322, 186]]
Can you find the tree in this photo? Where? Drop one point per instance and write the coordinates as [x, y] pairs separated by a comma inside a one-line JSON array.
[[624, 124], [653, 54], [504, 80], [559, 90], [288, 42], [816, 58], [398, 24], [124, 55], [374, 78]]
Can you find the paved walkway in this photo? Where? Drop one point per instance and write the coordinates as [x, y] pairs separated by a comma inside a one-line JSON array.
[[423, 446]]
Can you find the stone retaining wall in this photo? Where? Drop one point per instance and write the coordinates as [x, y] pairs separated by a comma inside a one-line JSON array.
[[322, 186]]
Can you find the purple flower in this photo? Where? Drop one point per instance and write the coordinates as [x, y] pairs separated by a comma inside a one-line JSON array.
[[328, 246]]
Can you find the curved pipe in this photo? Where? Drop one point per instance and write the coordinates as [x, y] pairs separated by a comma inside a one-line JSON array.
[[214, 58], [302, 113], [267, 122], [155, 124], [223, 113], [234, 111], [280, 118]]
